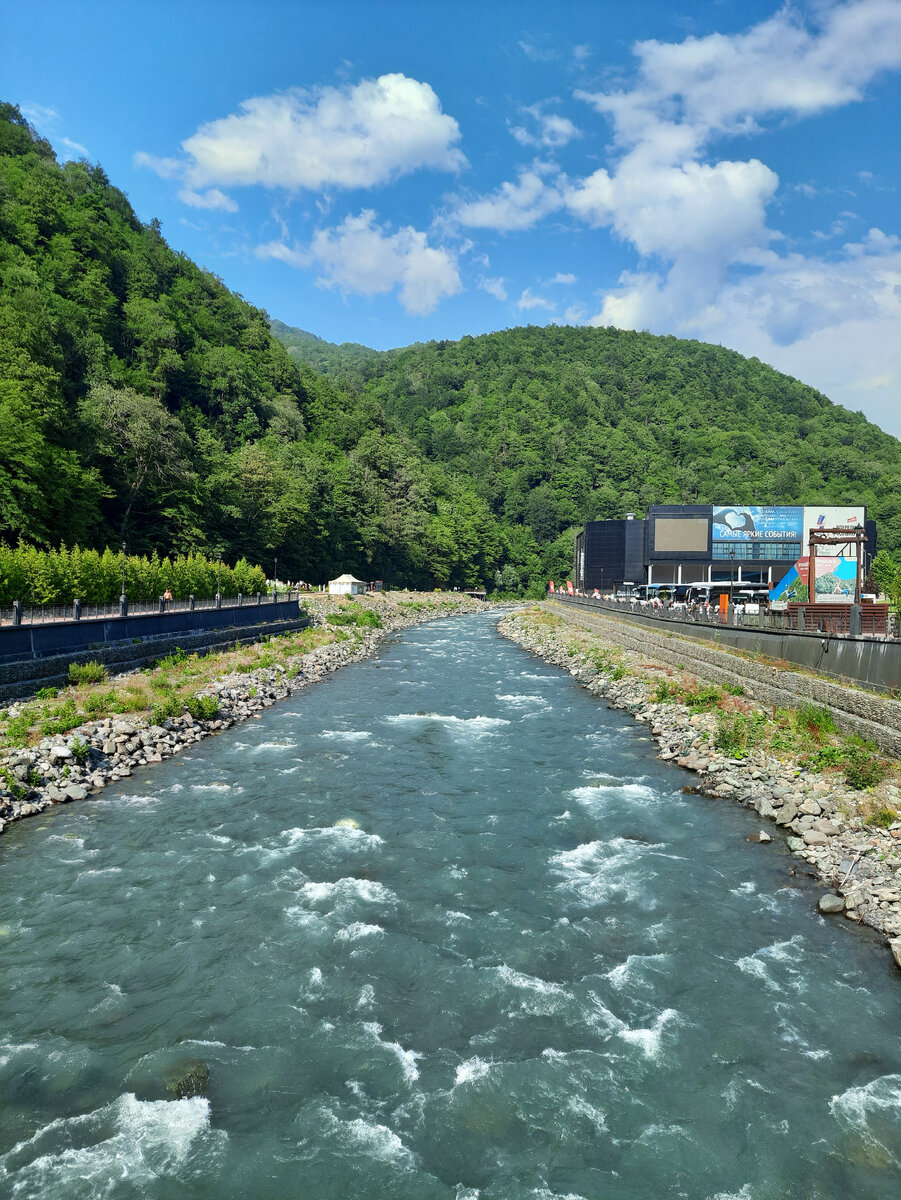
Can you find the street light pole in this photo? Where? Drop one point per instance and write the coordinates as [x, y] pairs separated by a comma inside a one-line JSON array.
[[219, 579], [275, 580], [123, 600]]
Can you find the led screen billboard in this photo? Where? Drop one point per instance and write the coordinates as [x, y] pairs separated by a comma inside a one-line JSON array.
[[758, 523], [684, 535]]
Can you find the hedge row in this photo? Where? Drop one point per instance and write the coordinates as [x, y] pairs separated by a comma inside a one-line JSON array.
[[59, 576]]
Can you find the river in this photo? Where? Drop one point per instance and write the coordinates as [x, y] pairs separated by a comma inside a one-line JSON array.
[[525, 965]]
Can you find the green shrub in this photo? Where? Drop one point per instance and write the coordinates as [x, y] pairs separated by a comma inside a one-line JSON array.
[[816, 720], [203, 708], [80, 750], [170, 707], [18, 728], [175, 659], [46, 693], [704, 698], [883, 817], [365, 618], [863, 769], [737, 733], [89, 672], [65, 717]]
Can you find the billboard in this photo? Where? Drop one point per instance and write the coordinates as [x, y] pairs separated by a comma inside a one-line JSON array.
[[683, 535], [835, 581], [758, 523], [833, 518]]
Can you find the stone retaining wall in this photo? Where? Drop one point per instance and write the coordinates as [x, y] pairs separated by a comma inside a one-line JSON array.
[[856, 711], [20, 679]]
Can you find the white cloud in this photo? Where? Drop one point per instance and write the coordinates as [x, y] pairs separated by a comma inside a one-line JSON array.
[[711, 266], [494, 287], [566, 279], [527, 301], [574, 315], [39, 114], [544, 129], [166, 168], [210, 199], [517, 205], [76, 147], [360, 257], [355, 136], [723, 84]]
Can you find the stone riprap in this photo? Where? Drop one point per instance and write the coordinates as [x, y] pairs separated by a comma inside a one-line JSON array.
[[860, 863], [80, 763]]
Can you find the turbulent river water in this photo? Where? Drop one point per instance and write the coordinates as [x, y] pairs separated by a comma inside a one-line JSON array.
[[526, 965]]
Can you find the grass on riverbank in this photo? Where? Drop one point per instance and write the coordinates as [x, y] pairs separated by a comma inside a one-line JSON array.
[[168, 687], [806, 735]]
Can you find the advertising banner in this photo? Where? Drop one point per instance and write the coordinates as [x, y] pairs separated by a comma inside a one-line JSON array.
[[835, 581], [833, 518], [758, 523]]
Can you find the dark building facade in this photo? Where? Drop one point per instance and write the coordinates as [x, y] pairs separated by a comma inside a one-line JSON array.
[[705, 543]]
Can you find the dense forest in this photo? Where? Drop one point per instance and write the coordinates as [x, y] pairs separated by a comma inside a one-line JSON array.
[[557, 425], [142, 401]]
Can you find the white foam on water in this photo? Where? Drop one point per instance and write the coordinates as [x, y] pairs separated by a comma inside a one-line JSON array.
[[346, 735], [650, 1040], [287, 770], [626, 972], [470, 726], [595, 871], [367, 996], [596, 795], [288, 745], [580, 1107], [377, 1141], [8, 1050], [748, 888], [356, 931], [519, 699], [455, 918], [878, 1101], [406, 1058], [89, 1155], [744, 1194], [345, 834], [471, 1070], [216, 787], [764, 963], [348, 888], [69, 838], [100, 871]]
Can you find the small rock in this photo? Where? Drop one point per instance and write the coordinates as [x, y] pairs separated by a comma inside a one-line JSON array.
[[831, 904]]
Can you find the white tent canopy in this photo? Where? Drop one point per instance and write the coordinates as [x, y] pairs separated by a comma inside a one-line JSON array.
[[346, 585]]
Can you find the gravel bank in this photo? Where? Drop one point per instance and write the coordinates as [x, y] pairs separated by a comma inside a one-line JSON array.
[[80, 763], [860, 863]]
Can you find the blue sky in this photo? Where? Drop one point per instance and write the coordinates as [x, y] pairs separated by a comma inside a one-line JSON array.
[[394, 172]]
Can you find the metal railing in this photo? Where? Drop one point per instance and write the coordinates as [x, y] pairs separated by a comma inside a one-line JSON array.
[[773, 620], [26, 613]]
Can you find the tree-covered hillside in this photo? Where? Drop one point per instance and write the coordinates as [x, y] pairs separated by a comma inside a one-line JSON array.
[[142, 400], [557, 425]]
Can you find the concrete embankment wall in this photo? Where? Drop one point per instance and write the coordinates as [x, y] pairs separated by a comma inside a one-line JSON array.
[[24, 677], [874, 663], [856, 711]]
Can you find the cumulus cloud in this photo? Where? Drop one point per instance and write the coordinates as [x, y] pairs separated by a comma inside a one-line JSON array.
[[527, 301], [513, 206], [494, 287], [544, 129], [566, 279], [211, 199], [166, 168], [358, 256], [357, 136]]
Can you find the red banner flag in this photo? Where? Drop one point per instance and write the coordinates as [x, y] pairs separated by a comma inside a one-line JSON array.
[[551, 584], [569, 587]]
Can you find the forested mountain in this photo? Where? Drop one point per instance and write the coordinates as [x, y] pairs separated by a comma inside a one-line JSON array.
[[556, 425], [140, 400]]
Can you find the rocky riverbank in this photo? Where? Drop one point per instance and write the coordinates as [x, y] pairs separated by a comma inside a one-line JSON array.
[[860, 862], [71, 766]]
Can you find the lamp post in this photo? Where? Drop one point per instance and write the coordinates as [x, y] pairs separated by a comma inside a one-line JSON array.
[[219, 578], [123, 600], [275, 580]]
